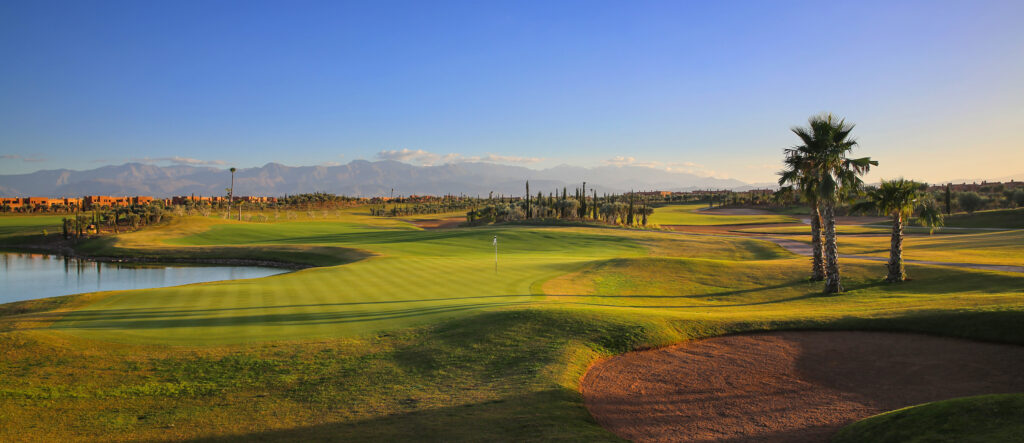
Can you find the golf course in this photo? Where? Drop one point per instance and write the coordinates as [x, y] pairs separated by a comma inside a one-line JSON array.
[[394, 332]]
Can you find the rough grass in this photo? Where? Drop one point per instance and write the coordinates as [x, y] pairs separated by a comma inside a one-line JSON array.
[[985, 418], [422, 341], [689, 214]]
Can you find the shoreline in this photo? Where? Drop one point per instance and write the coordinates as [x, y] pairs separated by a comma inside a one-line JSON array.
[[67, 251]]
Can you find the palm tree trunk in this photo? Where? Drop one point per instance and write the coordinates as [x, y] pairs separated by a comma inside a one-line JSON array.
[[895, 267], [818, 245], [832, 282]]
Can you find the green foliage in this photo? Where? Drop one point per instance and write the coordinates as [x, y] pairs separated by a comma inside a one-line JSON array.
[[820, 167], [892, 198], [969, 201], [930, 216], [1017, 197]]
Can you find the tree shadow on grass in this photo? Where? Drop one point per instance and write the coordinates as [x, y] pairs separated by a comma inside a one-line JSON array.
[[800, 286], [88, 314], [143, 319], [547, 415], [932, 280]]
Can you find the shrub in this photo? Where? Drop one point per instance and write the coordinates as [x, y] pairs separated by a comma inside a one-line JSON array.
[[969, 201]]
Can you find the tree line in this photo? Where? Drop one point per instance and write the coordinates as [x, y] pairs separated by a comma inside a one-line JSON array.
[[112, 219], [628, 209]]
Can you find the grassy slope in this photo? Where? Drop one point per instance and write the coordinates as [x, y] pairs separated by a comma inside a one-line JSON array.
[[689, 214], [985, 418], [21, 229], [498, 368], [1000, 218]]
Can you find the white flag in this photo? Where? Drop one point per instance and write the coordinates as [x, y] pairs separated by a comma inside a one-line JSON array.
[[495, 240]]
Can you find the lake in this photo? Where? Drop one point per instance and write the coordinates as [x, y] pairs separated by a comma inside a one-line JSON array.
[[25, 276]]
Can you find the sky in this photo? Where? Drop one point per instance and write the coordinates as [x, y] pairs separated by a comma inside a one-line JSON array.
[[936, 88]]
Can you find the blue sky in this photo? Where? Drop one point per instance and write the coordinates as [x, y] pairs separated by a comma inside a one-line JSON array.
[[936, 88]]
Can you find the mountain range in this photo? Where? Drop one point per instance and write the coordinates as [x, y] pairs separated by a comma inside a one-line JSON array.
[[357, 178]]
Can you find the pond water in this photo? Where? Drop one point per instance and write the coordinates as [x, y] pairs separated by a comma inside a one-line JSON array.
[[26, 276]]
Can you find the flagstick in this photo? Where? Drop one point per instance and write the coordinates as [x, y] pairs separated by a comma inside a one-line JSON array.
[[495, 254]]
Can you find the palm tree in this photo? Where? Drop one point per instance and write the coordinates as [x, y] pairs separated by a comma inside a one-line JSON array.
[[800, 176], [930, 216], [834, 176], [231, 191], [896, 198]]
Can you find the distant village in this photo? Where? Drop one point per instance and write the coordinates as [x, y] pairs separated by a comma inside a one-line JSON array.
[[89, 202]]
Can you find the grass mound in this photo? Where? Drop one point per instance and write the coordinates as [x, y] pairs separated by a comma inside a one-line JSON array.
[[985, 418]]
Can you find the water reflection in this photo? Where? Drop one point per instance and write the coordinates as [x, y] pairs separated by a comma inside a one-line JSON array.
[[25, 276]]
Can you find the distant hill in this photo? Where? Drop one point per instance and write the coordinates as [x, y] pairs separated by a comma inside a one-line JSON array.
[[357, 178]]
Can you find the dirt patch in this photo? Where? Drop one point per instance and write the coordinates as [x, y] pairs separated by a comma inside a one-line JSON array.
[[439, 223], [854, 220], [735, 211], [729, 229], [787, 386]]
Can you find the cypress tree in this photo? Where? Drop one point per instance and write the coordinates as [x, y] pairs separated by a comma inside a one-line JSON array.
[[583, 201], [528, 213], [949, 199], [629, 215]]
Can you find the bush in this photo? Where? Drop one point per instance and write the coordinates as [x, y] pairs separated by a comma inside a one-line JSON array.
[[970, 201], [1017, 198]]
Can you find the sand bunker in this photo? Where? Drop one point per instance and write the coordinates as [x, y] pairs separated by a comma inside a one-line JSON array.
[[788, 386]]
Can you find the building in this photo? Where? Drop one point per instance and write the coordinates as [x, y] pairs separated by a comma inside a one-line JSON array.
[[13, 203], [248, 198], [975, 187], [40, 202], [653, 193], [184, 199]]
